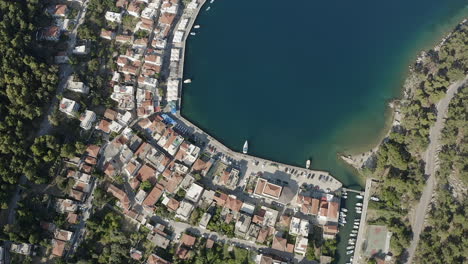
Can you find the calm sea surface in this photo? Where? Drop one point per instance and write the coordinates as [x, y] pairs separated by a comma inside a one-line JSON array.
[[307, 79]]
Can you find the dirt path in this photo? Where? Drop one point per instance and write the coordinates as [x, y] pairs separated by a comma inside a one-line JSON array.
[[431, 160]]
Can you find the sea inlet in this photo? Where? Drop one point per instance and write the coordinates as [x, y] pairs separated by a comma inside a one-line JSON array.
[[306, 79]]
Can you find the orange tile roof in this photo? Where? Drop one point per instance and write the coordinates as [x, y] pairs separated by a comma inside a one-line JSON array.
[[93, 150], [110, 114], [233, 204], [260, 186], [58, 247], [188, 240], [154, 259], [154, 195], [173, 204], [104, 125], [272, 190], [147, 173], [281, 244], [333, 208], [72, 218]]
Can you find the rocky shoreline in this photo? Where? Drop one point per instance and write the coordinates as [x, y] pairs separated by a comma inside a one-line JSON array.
[[367, 159]]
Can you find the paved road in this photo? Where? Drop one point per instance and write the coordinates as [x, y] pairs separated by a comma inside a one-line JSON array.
[[45, 126], [86, 209], [431, 160], [362, 224]]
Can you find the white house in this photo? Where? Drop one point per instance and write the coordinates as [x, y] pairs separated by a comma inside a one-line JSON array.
[[78, 87], [81, 50], [113, 17], [194, 193], [68, 106], [87, 119]]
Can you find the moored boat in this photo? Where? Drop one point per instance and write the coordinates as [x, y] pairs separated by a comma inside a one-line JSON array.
[[196, 26], [359, 196], [349, 252], [187, 80], [192, 33], [245, 149], [344, 209], [359, 204], [350, 247], [308, 164]]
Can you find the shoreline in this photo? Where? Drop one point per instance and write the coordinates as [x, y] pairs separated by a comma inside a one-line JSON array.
[[362, 160], [192, 16]]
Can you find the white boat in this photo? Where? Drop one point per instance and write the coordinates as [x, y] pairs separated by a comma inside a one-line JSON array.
[[344, 209], [343, 221], [208, 8], [352, 240], [212, 1], [341, 224], [359, 196], [308, 164], [354, 231], [349, 252], [375, 199], [344, 197], [359, 204], [187, 80], [246, 147], [349, 248], [351, 243], [352, 235], [355, 227], [196, 26], [193, 33]]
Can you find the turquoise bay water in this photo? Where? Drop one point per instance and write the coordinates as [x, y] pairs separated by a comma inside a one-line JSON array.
[[306, 79]]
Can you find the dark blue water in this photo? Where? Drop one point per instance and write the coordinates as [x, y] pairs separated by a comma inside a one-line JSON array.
[[306, 79]]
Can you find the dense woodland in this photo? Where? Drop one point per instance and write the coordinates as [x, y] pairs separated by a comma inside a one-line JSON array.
[[444, 240], [399, 163], [26, 86]]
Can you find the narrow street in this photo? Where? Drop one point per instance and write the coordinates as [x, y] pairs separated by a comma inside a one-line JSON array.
[[431, 166]]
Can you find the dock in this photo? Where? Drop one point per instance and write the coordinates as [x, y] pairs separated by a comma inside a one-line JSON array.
[[353, 191]]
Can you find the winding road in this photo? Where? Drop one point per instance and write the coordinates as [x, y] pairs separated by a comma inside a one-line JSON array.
[[431, 160]]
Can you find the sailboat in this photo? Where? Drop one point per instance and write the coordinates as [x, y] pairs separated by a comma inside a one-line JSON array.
[[246, 147], [308, 164]]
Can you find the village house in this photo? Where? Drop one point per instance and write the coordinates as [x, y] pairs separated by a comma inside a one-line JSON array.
[[58, 10], [155, 259], [68, 106], [282, 244], [78, 87], [87, 119], [120, 195], [51, 33], [113, 17], [21, 248], [107, 34]]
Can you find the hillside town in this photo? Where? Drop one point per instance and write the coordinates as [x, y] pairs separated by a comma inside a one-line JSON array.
[[163, 175]]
